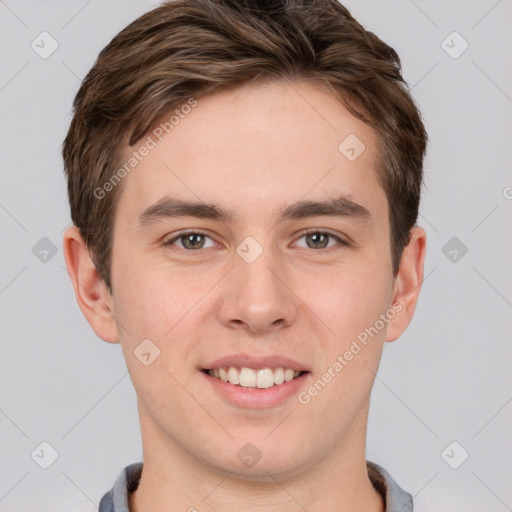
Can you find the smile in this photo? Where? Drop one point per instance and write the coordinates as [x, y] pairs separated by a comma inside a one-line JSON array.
[[262, 378]]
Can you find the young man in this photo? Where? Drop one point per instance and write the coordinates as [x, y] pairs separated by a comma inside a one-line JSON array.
[[244, 181]]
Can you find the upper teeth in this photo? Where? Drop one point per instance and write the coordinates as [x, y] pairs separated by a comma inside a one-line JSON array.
[[249, 378]]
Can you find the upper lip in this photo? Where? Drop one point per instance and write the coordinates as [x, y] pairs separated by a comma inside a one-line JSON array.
[[256, 363]]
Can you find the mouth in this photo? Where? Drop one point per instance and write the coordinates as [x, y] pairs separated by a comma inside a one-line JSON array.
[[260, 378], [255, 381]]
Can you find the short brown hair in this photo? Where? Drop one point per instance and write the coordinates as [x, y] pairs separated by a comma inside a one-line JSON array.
[[191, 48]]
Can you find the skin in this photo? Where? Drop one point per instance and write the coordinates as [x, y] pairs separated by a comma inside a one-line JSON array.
[[251, 150]]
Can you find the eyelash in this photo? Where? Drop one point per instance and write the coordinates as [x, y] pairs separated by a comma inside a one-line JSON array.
[[169, 243]]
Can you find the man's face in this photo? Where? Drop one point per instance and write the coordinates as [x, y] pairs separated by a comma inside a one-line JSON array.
[[256, 286]]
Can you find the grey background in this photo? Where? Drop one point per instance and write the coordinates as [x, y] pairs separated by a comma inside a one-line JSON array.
[[446, 379]]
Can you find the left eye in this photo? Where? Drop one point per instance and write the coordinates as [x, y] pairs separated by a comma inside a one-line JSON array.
[[319, 239], [192, 240]]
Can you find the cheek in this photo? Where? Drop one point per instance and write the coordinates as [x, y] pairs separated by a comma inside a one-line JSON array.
[[350, 301], [160, 304], [155, 297], [350, 355], [155, 314], [360, 331]]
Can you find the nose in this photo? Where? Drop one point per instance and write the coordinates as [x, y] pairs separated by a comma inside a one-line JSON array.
[[256, 296]]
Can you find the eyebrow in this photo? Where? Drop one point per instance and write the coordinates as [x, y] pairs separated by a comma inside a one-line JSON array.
[[174, 207]]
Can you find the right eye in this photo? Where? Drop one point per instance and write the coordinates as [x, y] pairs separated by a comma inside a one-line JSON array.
[[190, 241]]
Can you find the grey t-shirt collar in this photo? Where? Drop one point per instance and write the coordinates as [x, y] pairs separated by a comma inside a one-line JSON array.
[[395, 498]]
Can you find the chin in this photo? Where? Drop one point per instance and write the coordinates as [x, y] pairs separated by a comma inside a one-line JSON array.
[[258, 462]]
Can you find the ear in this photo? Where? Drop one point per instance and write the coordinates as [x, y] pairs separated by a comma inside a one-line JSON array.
[[408, 283], [91, 292]]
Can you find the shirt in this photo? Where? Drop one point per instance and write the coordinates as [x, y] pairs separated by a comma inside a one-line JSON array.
[[395, 498]]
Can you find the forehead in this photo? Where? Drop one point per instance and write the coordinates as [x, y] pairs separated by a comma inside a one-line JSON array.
[[263, 143]]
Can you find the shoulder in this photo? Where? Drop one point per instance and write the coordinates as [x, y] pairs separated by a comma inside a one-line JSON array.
[[395, 498], [116, 500]]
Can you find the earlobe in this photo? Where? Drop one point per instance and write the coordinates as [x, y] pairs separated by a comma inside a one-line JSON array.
[[408, 283], [91, 293]]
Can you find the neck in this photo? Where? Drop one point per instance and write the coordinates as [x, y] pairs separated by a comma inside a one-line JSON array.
[[174, 477]]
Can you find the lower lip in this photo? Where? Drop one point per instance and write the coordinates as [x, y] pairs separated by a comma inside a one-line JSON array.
[[256, 398]]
